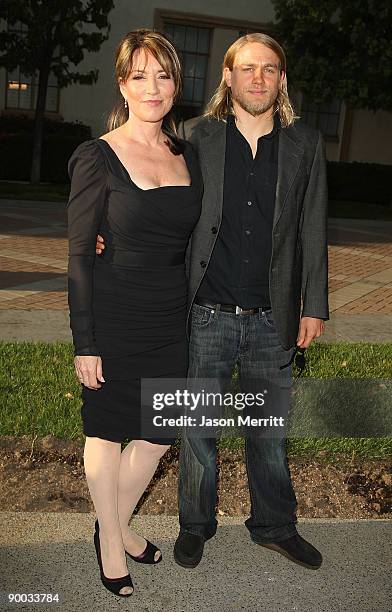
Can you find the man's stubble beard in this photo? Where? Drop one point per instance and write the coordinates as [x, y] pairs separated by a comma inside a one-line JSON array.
[[255, 108]]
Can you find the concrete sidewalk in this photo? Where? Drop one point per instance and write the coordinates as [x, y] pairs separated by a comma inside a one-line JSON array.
[[54, 553]]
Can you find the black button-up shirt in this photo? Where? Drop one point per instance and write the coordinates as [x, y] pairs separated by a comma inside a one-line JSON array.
[[238, 272]]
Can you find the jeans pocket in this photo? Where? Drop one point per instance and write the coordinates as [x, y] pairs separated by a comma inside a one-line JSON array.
[[267, 318], [201, 316]]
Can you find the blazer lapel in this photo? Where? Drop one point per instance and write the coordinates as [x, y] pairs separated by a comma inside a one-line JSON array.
[[289, 160], [212, 151]]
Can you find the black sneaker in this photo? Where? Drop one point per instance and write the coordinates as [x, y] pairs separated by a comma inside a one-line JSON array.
[[298, 550], [188, 549]]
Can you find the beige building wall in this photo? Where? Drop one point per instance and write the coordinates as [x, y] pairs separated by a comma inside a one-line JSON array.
[[368, 137], [221, 41], [371, 137], [3, 74], [91, 104], [333, 147]]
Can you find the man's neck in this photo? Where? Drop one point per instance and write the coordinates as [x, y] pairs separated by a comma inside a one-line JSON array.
[[253, 128]]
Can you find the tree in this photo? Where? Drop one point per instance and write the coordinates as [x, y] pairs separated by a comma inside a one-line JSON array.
[[339, 49], [51, 36]]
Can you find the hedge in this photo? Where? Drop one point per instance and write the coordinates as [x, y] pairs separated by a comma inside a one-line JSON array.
[[360, 182], [10, 124], [16, 151], [59, 141], [347, 181]]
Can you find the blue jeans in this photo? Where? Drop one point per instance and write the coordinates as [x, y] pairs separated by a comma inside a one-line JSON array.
[[220, 341]]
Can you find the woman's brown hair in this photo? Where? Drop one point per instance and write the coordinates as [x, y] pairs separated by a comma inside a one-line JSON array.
[[164, 52]]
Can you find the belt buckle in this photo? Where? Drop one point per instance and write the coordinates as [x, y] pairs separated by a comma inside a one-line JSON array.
[[238, 310]]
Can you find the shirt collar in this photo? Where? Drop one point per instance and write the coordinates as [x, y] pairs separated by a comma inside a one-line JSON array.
[[274, 131]]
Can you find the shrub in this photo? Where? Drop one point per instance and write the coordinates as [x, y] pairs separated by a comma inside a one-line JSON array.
[[59, 141], [360, 182], [10, 124]]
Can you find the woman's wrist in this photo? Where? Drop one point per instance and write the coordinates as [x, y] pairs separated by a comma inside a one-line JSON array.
[[86, 352]]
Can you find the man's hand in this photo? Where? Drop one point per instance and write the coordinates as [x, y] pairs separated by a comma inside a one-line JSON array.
[[99, 247], [89, 371], [309, 329]]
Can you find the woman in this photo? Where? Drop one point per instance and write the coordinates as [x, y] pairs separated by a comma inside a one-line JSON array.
[[139, 186]]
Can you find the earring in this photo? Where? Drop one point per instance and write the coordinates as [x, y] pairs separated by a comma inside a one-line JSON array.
[[125, 103]]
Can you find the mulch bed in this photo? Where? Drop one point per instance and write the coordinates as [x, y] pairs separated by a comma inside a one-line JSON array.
[[47, 475]]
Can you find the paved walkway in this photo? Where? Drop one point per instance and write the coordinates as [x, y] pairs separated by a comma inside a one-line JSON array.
[[54, 553], [33, 262]]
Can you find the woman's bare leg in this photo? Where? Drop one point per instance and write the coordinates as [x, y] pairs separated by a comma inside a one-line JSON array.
[[101, 465], [138, 463]]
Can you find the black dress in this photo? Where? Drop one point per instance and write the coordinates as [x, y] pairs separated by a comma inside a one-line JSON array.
[[128, 305]]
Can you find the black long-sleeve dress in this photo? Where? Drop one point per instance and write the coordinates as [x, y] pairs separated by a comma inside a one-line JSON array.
[[129, 304]]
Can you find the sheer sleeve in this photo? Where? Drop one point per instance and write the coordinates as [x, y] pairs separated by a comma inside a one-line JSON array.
[[85, 207]]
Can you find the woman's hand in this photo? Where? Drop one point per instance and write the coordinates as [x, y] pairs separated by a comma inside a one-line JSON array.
[[100, 245], [89, 370]]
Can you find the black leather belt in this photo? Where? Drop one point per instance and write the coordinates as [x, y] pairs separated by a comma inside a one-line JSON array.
[[134, 258], [231, 307]]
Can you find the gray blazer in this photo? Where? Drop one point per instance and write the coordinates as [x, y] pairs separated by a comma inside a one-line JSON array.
[[299, 262]]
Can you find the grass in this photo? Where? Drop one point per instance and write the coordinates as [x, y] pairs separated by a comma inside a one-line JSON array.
[[328, 448], [46, 192], [41, 396]]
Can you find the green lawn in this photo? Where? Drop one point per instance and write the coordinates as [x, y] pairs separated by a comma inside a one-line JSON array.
[[40, 394], [328, 448]]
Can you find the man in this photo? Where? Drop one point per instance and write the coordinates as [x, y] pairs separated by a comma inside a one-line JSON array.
[[260, 238], [258, 249]]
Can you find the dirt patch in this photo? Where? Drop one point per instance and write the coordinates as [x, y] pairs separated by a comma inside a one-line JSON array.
[[47, 475]]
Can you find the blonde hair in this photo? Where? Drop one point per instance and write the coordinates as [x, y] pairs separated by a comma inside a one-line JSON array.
[[221, 105], [164, 52]]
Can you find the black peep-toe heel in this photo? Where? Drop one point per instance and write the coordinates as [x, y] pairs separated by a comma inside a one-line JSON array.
[[147, 556], [114, 585]]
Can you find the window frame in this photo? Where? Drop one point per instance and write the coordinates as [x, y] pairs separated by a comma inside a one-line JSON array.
[[19, 28], [209, 21], [164, 16], [328, 137], [183, 52]]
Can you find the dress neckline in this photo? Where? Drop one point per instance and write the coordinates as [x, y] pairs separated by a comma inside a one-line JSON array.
[[151, 188]]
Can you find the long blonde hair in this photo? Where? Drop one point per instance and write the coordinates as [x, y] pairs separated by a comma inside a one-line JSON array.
[[221, 105], [164, 52]]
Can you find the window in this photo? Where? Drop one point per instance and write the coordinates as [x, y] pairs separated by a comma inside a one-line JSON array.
[[324, 116], [22, 89], [193, 47], [22, 92]]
